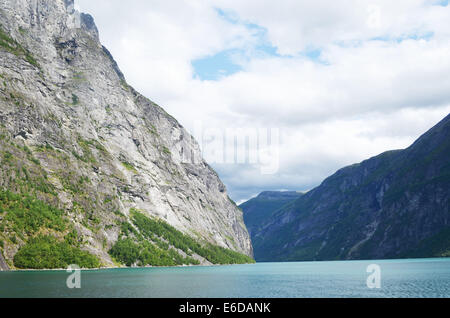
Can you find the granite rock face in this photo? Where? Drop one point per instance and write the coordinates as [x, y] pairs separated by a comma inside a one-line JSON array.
[[393, 205], [64, 98], [3, 265]]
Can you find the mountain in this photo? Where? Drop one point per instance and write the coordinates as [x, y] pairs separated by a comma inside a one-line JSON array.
[[90, 168], [394, 205], [257, 210]]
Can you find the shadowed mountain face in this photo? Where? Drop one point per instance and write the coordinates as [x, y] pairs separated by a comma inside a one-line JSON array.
[[389, 206], [258, 210], [84, 157]]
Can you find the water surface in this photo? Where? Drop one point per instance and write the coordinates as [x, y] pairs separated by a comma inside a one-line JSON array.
[[399, 278]]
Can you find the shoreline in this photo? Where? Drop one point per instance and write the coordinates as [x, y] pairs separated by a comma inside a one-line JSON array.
[[216, 265], [116, 267]]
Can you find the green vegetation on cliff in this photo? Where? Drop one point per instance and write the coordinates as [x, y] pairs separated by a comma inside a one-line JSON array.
[[44, 252], [144, 253], [10, 45], [158, 242], [215, 254], [32, 221], [30, 218], [27, 214]]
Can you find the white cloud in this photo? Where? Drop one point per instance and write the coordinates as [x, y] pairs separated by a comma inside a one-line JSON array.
[[362, 97], [292, 25]]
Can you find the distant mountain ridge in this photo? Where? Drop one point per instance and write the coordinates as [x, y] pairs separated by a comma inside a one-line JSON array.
[[393, 205], [260, 208]]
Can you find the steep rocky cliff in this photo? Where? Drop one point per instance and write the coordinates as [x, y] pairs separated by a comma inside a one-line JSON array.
[[392, 205], [92, 153]]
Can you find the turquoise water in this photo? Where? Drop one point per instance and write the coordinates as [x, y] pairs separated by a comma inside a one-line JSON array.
[[399, 278]]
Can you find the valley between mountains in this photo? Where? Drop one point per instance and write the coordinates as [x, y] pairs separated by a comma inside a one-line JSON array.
[[94, 173]]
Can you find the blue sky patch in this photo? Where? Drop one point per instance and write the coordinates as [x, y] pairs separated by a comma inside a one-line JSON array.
[[229, 62], [442, 3], [225, 63], [416, 36], [229, 16], [214, 67]]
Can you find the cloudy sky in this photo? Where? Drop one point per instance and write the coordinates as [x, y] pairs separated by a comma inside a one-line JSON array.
[[334, 82]]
